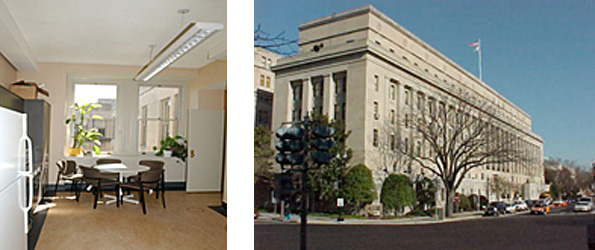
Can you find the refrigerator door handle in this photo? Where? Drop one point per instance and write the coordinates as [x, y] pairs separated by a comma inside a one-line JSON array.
[[28, 174]]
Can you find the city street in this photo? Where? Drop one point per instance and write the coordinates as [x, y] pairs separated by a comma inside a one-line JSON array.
[[562, 229]]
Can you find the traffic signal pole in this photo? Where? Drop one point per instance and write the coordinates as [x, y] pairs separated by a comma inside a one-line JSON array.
[[304, 212], [298, 145]]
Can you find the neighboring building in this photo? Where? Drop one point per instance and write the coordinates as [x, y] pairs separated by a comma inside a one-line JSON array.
[[264, 86], [361, 67]]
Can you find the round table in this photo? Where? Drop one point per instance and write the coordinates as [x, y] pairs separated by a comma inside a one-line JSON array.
[[121, 170]]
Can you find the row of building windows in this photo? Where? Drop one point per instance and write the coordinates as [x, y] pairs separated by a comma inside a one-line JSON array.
[[529, 150], [264, 83], [318, 92]]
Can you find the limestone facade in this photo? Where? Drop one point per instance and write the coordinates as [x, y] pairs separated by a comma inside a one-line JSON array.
[[364, 68], [264, 85]]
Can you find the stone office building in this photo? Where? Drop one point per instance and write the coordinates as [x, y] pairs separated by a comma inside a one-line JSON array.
[[264, 86], [365, 69]]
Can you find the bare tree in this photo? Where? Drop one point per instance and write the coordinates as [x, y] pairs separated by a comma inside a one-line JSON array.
[[276, 43], [457, 138], [501, 187]]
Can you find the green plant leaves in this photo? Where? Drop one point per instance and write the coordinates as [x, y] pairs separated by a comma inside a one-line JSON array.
[[80, 133], [179, 150]]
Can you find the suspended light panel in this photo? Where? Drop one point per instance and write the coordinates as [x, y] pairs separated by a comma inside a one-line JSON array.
[[192, 35]]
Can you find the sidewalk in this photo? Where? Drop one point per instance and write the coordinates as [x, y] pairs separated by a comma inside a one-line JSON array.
[[324, 220]]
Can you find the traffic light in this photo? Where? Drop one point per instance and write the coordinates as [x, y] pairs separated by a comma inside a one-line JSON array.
[[322, 143], [283, 186], [290, 145]]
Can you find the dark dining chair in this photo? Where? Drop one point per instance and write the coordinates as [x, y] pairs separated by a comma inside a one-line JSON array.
[[67, 171], [108, 161], [147, 180], [154, 165], [98, 180]]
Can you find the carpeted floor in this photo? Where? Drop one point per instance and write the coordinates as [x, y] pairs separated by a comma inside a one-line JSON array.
[[186, 223]]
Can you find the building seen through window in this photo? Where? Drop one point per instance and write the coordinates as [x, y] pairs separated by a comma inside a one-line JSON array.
[[104, 95], [158, 115]]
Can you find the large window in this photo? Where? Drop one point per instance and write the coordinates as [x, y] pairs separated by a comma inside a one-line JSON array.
[[104, 95], [158, 115], [318, 94], [296, 90], [340, 95]]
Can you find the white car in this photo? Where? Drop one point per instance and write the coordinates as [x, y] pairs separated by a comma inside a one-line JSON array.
[[583, 206], [510, 207], [521, 206]]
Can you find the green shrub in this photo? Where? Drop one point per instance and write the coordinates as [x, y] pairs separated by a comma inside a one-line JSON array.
[[397, 192], [417, 213], [359, 187], [464, 203]]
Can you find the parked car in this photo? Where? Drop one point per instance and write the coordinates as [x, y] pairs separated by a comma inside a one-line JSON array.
[[583, 206], [540, 208], [510, 207], [559, 203], [520, 206], [495, 208], [585, 199]]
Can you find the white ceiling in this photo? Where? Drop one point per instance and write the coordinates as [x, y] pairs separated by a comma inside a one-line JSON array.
[[112, 31]]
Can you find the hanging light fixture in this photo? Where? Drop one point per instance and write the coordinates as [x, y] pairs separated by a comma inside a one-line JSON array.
[[193, 34]]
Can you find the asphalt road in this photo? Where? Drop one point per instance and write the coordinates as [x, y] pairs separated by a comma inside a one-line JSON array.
[[561, 229]]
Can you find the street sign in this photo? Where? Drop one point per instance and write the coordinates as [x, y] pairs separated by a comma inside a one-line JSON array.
[[340, 202]]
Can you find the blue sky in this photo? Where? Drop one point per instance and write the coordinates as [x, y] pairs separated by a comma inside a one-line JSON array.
[[538, 54]]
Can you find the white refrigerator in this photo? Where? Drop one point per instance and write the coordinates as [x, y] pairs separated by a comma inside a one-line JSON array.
[[15, 175]]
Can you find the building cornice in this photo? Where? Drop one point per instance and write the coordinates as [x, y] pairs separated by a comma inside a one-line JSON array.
[[370, 9]]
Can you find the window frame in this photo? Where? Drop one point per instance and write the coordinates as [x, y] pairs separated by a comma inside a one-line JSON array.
[[127, 107]]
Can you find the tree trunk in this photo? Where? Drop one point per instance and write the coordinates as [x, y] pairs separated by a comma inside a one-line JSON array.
[[449, 201]]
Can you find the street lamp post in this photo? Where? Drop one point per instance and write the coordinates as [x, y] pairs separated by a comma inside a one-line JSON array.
[[340, 201]]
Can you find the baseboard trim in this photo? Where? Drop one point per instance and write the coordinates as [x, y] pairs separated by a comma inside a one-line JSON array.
[[169, 186]]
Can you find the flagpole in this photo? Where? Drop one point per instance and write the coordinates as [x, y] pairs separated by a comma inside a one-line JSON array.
[[480, 64]]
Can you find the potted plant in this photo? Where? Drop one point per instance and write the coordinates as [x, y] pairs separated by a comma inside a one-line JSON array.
[[80, 133], [176, 145]]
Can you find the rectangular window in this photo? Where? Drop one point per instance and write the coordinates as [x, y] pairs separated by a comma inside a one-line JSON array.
[[376, 82], [340, 95], [375, 138], [263, 60], [296, 89], [376, 115], [393, 142], [164, 111], [392, 117], [318, 94], [106, 97], [159, 115], [261, 81], [431, 105], [406, 120], [406, 93], [420, 101], [392, 92], [268, 83]]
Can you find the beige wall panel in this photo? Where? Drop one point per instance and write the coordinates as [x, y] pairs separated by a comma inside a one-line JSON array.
[[212, 73], [8, 74]]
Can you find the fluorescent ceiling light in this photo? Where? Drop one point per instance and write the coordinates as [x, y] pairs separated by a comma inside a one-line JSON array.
[[193, 34]]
